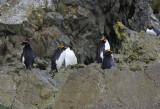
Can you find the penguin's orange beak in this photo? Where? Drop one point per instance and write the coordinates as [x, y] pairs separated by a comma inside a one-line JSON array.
[[65, 47]]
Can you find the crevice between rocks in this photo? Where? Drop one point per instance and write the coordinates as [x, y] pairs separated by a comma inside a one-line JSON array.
[[118, 98], [154, 81], [17, 85]]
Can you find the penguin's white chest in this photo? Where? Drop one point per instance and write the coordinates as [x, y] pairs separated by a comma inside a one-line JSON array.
[[107, 46], [151, 32], [70, 58]]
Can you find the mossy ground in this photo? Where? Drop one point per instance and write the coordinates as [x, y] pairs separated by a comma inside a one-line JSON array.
[[120, 30], [156, 5], [4, 107]]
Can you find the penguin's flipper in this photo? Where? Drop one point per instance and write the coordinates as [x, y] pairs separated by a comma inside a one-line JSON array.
[[21, 57], [113, 64], [156, 31], [98, 58], [33, 62], [112, 61], [53, 66]]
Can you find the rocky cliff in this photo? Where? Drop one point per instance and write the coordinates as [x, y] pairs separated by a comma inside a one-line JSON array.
[[50, 23], [134, 83]]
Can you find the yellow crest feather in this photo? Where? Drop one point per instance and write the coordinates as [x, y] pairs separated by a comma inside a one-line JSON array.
[[102, 38], [61, 46], [25, 41], [108, 50]]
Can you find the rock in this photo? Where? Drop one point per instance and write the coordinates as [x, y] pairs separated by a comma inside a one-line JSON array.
[[79, 23], [41, 63], [141, 8], [53, 18], [62, 76], [93, 88], [51, 23], [136, 50], [23, 89]]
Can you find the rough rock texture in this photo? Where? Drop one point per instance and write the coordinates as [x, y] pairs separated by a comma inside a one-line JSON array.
[[143, 15], [15, 12], [137, 51], [79, 23], [93, 88], [156, 8], [80, 86], [24, 89], [134, 83]]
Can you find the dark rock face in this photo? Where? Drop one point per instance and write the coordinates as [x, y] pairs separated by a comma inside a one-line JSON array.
[[143, 15], [77, 22]]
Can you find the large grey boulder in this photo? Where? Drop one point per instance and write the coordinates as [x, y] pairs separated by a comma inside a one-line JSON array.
[[93, 88], [24, 89]]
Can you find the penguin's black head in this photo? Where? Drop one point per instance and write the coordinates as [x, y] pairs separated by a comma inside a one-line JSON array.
[[150, 26], [61, 47], [68, 47], [25, 43], [108, 53], [103, 39]]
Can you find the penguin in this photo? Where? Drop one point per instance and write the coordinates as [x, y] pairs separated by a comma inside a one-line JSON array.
[[58, 59], [27, 56], [152, 30], [102, 46], [70, 57], [108, 61]]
